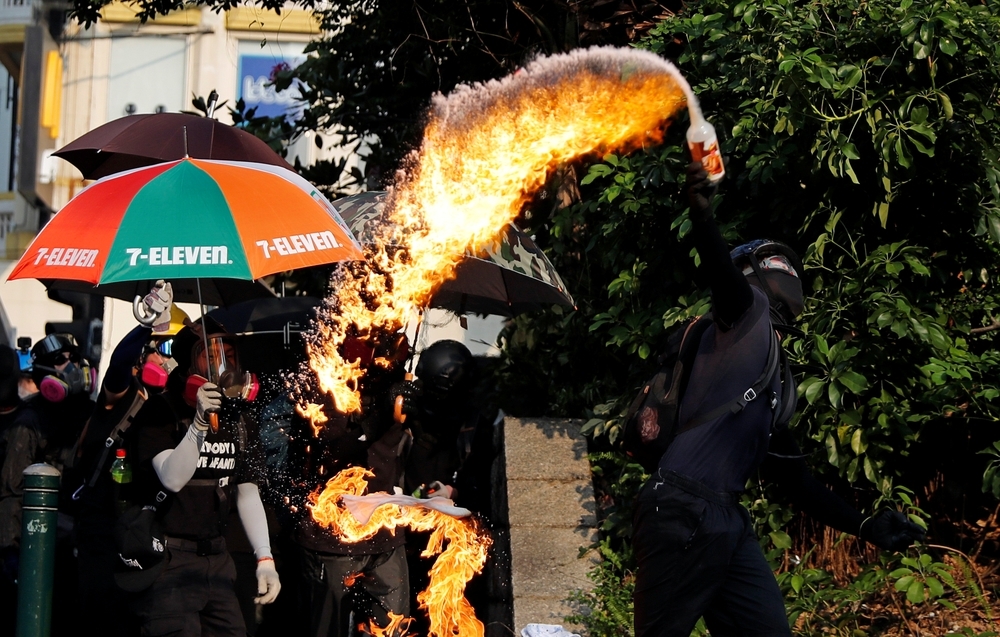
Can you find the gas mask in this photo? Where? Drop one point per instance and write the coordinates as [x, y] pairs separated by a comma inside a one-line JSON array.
[[220, 363], [58, 385], [152, 374]]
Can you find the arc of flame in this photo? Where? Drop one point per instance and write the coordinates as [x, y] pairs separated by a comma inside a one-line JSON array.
[[486, 149], [461, 545]]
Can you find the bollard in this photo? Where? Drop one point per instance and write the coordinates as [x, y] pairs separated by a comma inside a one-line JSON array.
[[38, 551]]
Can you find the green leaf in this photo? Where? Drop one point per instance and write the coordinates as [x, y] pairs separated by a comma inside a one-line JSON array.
[[831, 450], [903, 155], [946, 107], [797, 581], [835, 395], [870, 471], [947, 46], [858, 445], [920, 50], [903, 583], [934, 587], [853, 381], [915, 592], [781, 540]]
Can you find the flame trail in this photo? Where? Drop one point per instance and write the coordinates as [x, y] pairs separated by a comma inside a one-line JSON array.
[[486, 149], [467, 545]]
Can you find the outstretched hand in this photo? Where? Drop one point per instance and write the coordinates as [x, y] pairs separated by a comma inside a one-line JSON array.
[[891, 530], [700, 191]]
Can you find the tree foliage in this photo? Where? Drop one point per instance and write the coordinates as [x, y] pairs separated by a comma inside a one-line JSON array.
[[865, 135]]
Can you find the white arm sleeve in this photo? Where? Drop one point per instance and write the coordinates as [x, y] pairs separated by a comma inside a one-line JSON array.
[[174, 467], [253, 518]]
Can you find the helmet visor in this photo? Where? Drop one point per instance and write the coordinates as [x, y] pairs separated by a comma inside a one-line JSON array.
[[218, 360]]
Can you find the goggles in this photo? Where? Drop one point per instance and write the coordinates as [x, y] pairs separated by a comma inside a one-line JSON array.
[[772, 263], [163, 348]]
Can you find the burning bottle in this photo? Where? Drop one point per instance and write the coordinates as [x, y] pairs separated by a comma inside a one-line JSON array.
[[703, 143]]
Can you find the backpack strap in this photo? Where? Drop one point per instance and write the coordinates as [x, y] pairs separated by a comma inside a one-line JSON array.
[[737, 404], [116, 433]]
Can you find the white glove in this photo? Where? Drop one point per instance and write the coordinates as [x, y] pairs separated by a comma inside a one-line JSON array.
[[208, 400], [268, 584], [158, 301]]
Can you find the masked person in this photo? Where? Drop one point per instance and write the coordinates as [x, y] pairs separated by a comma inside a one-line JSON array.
[[695, 546], [138, 367], [344, 584], [193, 454], [22, 444], [451, 451]]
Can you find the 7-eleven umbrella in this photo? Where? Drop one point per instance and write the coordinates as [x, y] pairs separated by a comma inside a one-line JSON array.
[[189, 219]]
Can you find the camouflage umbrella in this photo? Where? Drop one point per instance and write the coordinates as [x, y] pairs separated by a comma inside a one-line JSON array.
[[509, 277]]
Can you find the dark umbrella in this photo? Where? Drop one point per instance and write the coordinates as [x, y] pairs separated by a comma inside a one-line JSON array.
[[222, 292], [273, 314], [269, 331], [505, 279], [143, 140]]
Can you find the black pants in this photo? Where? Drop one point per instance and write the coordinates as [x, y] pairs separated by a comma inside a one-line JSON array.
[[194, 596], [381, 585], [698, 556]]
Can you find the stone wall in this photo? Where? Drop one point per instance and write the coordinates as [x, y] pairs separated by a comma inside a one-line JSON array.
[[544, 511]]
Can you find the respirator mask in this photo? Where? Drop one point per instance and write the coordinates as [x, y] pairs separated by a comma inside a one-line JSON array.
[[60, 384], [219, 362], [153, 374], [54, 356]]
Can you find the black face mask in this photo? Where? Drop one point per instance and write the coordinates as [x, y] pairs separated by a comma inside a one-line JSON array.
[[784, 292]]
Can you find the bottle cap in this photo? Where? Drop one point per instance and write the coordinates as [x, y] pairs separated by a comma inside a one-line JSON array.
[[120, 453]]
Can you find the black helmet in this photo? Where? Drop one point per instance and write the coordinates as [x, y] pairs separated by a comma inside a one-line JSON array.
[[51, 351], [445, 367], [776, 269]]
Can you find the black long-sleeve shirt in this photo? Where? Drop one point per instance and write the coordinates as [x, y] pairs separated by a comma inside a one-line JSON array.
[[725, 452]]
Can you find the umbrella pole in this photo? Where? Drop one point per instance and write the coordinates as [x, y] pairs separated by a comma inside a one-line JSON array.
[[204, 333], [416, 337], [213, 418]]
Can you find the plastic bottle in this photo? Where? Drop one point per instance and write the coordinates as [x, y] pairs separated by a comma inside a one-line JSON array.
[[121, 470], [704, 144]]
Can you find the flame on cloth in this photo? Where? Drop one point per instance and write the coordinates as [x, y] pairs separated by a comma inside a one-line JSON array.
[[487, 148], [467, 545], [399, 626]]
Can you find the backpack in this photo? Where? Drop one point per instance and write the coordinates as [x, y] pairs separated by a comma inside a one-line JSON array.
[[651, 421]]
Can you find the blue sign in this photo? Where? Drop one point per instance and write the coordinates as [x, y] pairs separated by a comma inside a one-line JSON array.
[[256, 89]]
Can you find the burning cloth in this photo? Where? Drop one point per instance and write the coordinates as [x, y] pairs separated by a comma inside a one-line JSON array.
[[362, 506]]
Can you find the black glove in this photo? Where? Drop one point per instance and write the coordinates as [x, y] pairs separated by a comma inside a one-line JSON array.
[[410, 391], [891, 530], [700, 191]]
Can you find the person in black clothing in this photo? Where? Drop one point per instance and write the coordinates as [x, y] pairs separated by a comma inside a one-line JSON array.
[[193, 453], [367, 579], [695, 546], [450, 454], [21, 444], [138, 367]]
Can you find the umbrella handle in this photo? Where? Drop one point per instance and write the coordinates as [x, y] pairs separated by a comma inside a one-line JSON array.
[[397, 405], [139, 313]]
